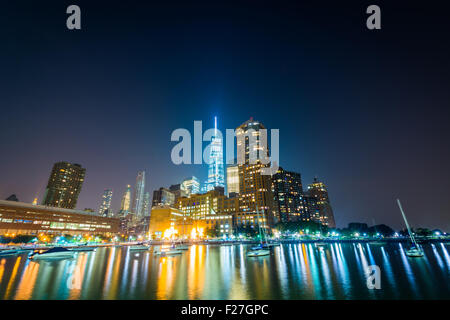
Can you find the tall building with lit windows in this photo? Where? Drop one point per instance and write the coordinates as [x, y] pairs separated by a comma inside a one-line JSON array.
[[64, 185], [287, 190], [105, 206], [138, 195], [216, 175], [233, 180], [256, 202], [125, 204], [191, 185], [146, 205], [319, 191]]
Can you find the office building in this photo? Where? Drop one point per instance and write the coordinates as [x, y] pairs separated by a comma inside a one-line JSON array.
[[64, 185], [190, 185], [216, 175], [138, 195], [162, 197], [105, 206], [319, 191]]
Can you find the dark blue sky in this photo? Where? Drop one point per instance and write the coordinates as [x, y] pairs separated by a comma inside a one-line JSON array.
[[365, 111]]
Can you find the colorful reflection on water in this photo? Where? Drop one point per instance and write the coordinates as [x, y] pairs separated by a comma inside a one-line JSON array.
[[292, 271]]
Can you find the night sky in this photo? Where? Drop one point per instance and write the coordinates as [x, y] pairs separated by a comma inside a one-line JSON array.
[[365, 111]]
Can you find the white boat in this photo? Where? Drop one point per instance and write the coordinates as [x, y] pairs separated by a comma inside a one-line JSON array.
[[261, 249], [320, 244], [170, 252], [182, 247], [10, 252], [139, 248], [54, 253], [415, 251], [258, 253], [82, 249]]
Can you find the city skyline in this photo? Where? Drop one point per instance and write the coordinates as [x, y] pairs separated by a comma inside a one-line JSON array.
[[365, 112]]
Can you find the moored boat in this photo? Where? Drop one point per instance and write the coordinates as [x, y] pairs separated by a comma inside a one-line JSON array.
[[54, 253], [415, 251], [258, 253], [139, 248], [169, 252]]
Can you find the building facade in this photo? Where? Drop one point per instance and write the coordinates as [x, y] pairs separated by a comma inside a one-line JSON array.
[[162, 197], [287, 190], [256, 202], [232, 180], [18, 218], [105, 206], [125, 204], [216, 174], [138, 195], [64, 185], [190, 185], [319, 191]]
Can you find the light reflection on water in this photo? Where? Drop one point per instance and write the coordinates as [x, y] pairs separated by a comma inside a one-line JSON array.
[[292, 271]]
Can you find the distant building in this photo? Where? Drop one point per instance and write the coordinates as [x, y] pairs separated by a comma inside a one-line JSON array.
[[190, 185], [319, 191], [26, 219], [146, 206], [210, 210], [64, 185], [232, 179], [162, 197], [287, 190], [178, 191], [125, 205], [216, 175], [105, 203], [138, 196]]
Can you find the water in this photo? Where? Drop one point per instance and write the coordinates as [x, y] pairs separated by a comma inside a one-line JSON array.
[[292, 271]]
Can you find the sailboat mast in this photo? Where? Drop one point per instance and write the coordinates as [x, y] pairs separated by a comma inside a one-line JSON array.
[[406, 222]]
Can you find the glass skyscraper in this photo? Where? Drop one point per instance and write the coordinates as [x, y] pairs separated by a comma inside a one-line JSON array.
[[138, 197], [105, 205], [191, 185], [216, 175]]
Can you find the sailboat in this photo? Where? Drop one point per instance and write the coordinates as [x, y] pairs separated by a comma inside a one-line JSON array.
[[415, 250], [259, 250]]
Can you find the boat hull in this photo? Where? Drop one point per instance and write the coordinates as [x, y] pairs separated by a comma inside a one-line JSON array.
[[258, 253]]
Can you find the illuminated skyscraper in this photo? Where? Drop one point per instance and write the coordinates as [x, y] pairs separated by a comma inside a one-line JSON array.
[[138, 196], [232, 180], [319, 191], [105, 205], [146, 205], [216, 176], [64, 185], [256, 201], [125, 205], [191, 185]]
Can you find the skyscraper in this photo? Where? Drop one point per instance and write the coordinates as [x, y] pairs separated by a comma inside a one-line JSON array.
[[125, 205], [191, 185], [105, 206], [146, 205], [232, 180], [138, 196], [64, 185], [216, 176], [287, 189], [255, 189], [319, 191]]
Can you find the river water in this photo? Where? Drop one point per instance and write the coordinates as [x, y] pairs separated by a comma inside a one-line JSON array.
[[292, 271]]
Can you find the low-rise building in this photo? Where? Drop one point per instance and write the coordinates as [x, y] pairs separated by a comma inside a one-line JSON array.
[[18, 218]]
